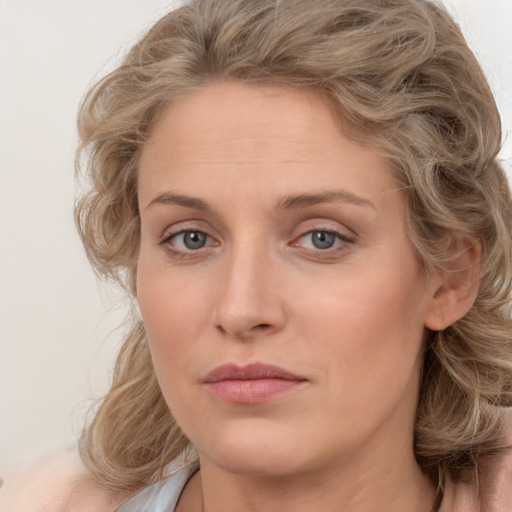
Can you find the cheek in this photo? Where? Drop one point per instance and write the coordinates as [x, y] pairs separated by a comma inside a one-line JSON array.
[[174, 314], [371, 307], [371, 330]]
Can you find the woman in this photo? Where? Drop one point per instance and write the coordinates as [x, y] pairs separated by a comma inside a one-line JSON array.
[[303, 198]]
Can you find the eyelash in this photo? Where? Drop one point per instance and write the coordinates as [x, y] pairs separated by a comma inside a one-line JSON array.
[[342, 238], [341, 246], [167, 240]]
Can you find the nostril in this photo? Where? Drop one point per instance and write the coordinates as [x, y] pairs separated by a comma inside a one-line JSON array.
[[261, 327], [240, 332]]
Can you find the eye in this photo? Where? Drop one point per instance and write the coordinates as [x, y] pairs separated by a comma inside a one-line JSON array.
[[321, 239], [188, 240], [191, 239]]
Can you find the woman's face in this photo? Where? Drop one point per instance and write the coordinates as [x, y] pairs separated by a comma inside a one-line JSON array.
[[283, 304]]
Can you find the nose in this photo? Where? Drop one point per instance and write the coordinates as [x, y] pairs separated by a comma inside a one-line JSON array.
[[250, 302]]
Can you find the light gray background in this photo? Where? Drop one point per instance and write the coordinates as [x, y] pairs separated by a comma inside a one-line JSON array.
[[58, 332]]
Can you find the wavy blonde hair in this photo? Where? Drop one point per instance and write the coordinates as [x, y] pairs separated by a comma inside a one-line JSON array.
[[401, 77]]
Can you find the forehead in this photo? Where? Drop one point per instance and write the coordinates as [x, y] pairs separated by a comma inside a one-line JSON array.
[[257, 135], [243, 112]]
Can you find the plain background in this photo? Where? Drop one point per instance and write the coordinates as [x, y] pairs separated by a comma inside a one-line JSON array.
[[59, 328]]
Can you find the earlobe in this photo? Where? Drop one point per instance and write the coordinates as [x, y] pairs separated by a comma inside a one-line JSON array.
[[455, 287]]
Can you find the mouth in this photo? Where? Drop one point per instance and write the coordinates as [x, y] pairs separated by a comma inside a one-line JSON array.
[[253, 383]]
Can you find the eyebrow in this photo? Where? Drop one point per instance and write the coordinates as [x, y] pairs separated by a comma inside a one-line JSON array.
[[330, 196], [289, 202], [180, 200]]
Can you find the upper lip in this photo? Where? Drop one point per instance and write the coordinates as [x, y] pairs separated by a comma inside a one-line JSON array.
[[253, 371]]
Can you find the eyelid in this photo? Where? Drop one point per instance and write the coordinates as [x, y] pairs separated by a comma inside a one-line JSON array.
[[180, 228], [174, 234], [344, 237], [324, 224], [344, 241], [339, 234], [185, 226]]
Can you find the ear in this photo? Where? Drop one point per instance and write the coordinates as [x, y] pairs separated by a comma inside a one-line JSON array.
[[455, 286]]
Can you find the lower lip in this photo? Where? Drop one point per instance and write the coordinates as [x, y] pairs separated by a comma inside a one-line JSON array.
[[252, 391]]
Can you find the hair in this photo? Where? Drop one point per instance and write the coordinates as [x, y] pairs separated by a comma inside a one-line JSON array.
[[401, 77]]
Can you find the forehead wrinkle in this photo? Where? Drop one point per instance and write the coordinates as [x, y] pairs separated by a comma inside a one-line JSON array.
[[232, 144]]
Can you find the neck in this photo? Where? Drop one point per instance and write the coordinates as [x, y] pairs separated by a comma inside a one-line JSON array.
[[398, 485]]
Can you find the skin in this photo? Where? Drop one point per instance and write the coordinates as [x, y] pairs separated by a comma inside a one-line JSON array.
[[352, 322], [65, 486], [349, 319]]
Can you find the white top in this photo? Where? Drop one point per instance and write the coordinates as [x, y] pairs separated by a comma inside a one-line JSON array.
[[162, 496]]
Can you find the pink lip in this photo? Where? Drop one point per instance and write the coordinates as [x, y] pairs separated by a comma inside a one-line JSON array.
[[251, 384]]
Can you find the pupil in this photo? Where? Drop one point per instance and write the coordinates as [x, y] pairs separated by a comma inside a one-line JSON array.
[[194, 240], [323, 240]]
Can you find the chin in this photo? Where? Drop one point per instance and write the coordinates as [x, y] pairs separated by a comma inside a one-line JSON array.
[[256, 450]]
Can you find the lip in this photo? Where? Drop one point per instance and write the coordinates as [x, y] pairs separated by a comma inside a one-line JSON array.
[[252, 383]]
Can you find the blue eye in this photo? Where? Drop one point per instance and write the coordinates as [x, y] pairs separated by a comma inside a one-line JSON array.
[[322, 239], [188, 240], [194, 240]]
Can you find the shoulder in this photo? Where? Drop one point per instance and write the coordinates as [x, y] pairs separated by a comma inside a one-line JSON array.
[[493, 487], [59, 485]]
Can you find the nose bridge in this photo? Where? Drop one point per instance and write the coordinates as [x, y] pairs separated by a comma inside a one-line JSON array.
[[246, 262], [248, 300]]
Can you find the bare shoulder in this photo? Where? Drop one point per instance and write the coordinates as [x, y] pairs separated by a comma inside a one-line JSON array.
[[59, 485]]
